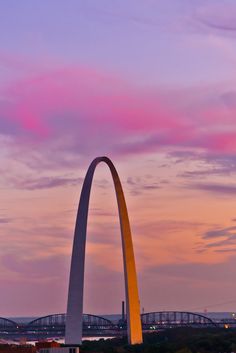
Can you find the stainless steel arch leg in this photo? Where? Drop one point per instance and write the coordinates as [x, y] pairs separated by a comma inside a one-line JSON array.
[[76, 284]]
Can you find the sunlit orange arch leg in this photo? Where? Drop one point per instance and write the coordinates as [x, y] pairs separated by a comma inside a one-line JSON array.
[[76, 284]]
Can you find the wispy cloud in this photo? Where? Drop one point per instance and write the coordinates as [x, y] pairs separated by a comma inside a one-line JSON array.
[[220, 240], [220, 232], [43, 182], [226, 251], [4, 220], [218, 16], [138, 185], [214, 188]]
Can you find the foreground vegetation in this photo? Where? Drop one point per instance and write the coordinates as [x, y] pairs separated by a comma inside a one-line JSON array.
[[181, 340]]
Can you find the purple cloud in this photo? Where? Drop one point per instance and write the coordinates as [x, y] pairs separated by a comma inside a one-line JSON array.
[[32, 183], [214, 188], [4, 220], [222, 237], [217, 16], [215, 233], [139, 185]]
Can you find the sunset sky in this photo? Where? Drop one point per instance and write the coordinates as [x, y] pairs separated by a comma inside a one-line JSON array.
[[152, 85]]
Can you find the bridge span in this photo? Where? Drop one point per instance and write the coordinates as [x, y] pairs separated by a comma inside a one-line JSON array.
[[171, 319], [53, 326]]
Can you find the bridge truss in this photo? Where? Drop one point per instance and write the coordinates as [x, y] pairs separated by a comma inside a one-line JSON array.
[[53, 326], [7, 325], [169, 319]]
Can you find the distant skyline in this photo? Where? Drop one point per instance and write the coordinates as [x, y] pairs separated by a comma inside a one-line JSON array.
[[150, 84]]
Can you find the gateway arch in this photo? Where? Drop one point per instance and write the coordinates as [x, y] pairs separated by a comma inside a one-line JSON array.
[[76, 283]]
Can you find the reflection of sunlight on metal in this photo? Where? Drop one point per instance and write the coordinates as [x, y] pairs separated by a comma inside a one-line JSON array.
[[76, 286]]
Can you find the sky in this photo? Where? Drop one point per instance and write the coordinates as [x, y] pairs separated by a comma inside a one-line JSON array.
[[150, 84]]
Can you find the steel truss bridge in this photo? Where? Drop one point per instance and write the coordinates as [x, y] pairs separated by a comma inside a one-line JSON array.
[[171, 319], [53, 326]]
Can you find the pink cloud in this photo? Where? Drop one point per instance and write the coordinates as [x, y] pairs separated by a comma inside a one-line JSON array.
[[84, 96], [224, 142], [90, 112]]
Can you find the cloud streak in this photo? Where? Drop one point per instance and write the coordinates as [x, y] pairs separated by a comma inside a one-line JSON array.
[[220, 16], [43, 182], [214, 188], [5, 220], [222, 232], [220, 240], [138, 185]]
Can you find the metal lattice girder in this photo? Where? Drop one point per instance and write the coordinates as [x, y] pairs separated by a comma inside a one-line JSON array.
[[175, 318], [7, 323], [59, 321]]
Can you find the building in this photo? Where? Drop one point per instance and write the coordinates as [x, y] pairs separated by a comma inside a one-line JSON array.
[[55, 347], [45, 344], [60, 349], [14, 348]]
